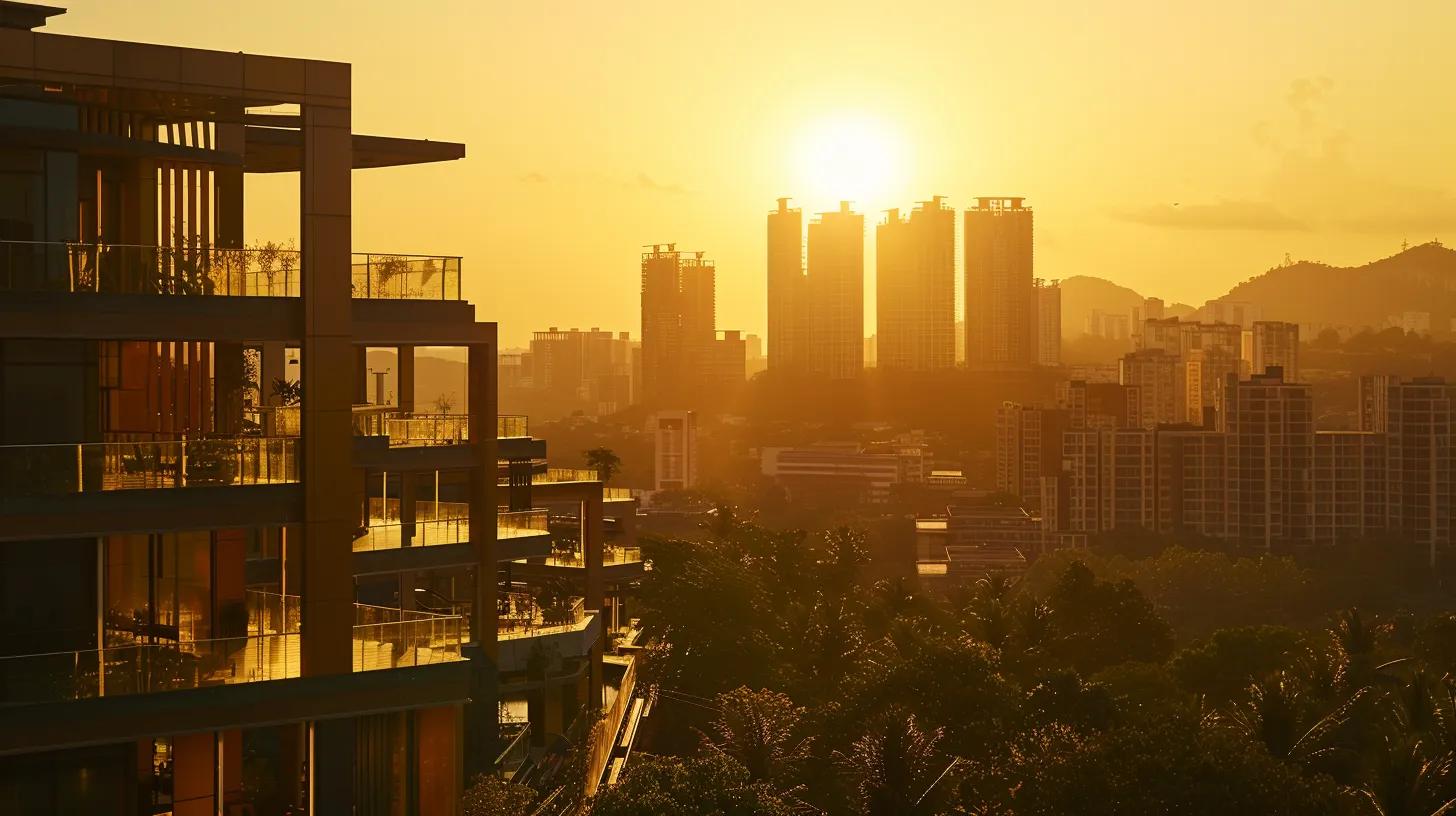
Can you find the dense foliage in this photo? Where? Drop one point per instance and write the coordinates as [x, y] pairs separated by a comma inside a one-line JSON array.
[[1171, 680]]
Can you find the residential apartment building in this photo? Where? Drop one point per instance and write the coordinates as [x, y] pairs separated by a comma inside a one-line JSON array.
[[1263, 476], [1048, 323], [1109, 478], [788, 317], [835, 305], [1000, 307], [915, 286], [1028, 444], [1415, 418], [1162, 398], [1275, 344], [684, 361], [1349, 485], [1269, 425], [1100, 404], [234, 585], [591, 368], [182, 590], [1204, 356], [675, 450]]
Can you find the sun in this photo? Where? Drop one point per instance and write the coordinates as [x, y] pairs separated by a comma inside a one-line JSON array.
[[849, 157]]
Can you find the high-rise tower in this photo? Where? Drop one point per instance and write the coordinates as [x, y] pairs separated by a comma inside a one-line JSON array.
[[836, 293], [915, 288], [1000, 309], [788, 330]]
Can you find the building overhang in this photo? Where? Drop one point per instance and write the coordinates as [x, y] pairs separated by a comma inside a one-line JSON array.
[[50, 726], [280, 150]]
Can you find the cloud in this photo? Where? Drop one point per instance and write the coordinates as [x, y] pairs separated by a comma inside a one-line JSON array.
[[1224, 215], [533, 177], [646, 182], [1312, 183]]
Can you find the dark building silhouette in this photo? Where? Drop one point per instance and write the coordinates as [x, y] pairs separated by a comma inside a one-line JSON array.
[[1000, 305], [836, 294], [915, 289], [684, 362], [788, 322]]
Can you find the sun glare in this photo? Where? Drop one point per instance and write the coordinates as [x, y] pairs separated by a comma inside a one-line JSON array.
[[854, 158]]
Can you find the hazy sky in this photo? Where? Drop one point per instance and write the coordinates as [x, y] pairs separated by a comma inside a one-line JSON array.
[[1173, 147]]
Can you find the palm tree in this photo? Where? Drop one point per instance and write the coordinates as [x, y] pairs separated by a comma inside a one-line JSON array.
[[759, 728], [896, 767], [1405, 780], [1280, 714]]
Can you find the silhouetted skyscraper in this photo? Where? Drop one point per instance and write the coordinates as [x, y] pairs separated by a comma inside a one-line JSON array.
[[1048, 323], [678, 329], [915, 288], [788, 325], [1000, 309], [836, 293]]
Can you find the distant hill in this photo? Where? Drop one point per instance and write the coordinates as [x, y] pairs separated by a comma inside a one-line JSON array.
[[1083, 294], [1421, 278]]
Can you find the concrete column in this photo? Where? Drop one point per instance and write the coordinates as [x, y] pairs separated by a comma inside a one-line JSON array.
[[331, 766], [594, 536], [327, 442], [406, 390], [441, 760], [273, 362], [227, 400], [227, 187], [482, 717], [361, 375], [194, 774], [481, 371], [407, 483]]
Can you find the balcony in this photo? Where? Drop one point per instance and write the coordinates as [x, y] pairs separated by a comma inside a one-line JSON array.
[[611, 557], [415, 430], [513, 426], [382, 639], [521, 523], [522, 617], [524, 625], [439, 523], [42, 470], [260, 271]]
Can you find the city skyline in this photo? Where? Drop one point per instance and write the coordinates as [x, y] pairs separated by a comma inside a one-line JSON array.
[[1218, 165]]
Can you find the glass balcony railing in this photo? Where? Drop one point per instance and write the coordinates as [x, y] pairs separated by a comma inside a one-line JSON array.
[[521, 523], [512, 427], [521, 616], [147, 668], [617, 493], [260, 271], [555, 475], [419, 642], [611, 556], [406, 277], [382, 639], [428, 429], [439, 523], [405, 429], [38, 470], [425, 534], [275, 420], [515, 736]]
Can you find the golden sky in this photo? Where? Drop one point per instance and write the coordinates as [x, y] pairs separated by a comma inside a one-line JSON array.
[[1175, 147]]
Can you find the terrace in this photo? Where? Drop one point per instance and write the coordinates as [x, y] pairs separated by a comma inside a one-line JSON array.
[[450, 526], [40, 470], [267, 270], [382, 639]]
